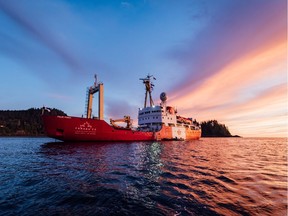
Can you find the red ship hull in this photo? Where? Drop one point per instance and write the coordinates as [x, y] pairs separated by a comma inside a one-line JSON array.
[[68, 128]]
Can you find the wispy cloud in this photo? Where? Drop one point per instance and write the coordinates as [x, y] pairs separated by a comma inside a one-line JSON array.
[[231, 29], [251, 88], [116, 109], [223, 59], [59, 97], [233, 66], [34, 24], [126, 4]]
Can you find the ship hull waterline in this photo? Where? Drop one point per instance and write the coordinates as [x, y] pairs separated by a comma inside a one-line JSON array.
[[76, 129]]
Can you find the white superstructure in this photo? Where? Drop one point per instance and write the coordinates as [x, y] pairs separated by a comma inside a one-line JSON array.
[[155, 118]]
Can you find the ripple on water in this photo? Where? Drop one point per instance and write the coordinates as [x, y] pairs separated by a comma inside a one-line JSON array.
[[207, 177], [226, 179]]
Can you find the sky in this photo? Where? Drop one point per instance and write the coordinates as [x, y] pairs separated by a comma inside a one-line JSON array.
[[215, 59]]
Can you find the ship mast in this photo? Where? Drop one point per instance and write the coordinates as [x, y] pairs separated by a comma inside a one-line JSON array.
[[149, 88], [97, 87]]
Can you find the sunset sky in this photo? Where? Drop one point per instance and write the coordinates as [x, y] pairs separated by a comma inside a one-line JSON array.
[[216, 59]]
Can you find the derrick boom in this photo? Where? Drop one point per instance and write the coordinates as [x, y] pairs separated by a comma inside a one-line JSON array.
[[97, 87]]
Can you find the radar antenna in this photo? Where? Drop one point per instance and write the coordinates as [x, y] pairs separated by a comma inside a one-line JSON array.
[[149, 88]]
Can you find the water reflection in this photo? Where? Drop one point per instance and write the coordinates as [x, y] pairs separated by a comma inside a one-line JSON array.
[[209, 176]]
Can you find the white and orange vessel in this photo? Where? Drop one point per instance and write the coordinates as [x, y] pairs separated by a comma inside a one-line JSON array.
[[155, 122]]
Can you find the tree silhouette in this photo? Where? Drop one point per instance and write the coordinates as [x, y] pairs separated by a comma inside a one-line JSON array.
[[212, 128], [23, 122]]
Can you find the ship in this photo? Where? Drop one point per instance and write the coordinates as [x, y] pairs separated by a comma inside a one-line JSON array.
[[155, 122]]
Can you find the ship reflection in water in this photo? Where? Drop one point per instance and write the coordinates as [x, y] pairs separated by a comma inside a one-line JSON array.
[[231, 176]]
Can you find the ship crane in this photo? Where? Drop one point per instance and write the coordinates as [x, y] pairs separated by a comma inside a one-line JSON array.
[[97, 87], [126, 119], [149, 88]]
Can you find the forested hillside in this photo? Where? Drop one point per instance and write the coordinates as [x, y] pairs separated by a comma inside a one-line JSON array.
[[212, 128], [23, 122]]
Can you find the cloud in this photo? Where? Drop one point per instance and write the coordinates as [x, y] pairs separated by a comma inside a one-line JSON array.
[[251, 89], [59, 97], [32, 24], [231, 29], [221, 58], [116, 109], [232, 64], [238, 77], [126, 4]]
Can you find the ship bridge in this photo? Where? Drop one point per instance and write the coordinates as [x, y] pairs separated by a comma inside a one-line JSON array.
[[154, 117]]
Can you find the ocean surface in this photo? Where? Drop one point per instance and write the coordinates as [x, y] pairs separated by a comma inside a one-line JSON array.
[[212, 176]]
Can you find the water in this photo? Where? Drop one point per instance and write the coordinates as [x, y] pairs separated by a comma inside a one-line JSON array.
[[212, 176]]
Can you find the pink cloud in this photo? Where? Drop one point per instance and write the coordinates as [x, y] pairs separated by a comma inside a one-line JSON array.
[[59, 96], [248, 91]]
